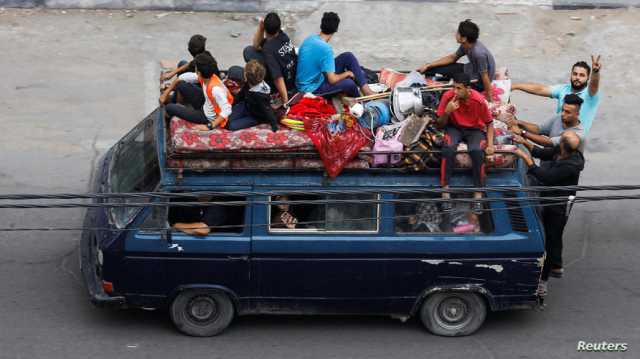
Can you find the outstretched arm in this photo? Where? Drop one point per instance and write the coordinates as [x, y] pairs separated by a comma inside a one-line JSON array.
[[443, 61], [259, 35], [532, 88], [594, 83]]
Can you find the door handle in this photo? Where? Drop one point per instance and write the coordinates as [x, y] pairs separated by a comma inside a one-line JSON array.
[[237, 258]]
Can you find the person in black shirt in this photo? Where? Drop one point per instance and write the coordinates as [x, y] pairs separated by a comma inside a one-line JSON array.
[[196, 46], [275, 51], [562, 167]]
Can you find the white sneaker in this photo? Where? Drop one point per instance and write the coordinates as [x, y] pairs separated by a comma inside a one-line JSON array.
[[542, 289]]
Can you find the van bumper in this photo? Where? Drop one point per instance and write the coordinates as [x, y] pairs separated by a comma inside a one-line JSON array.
[[92, 282]]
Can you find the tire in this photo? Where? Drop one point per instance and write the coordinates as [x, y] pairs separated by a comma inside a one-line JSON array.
[[453, 314], [201, 313]]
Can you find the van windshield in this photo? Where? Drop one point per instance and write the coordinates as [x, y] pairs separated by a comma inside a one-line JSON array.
[[134, 168]]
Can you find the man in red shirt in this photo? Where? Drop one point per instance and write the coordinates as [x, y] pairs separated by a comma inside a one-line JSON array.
[[465, 115]]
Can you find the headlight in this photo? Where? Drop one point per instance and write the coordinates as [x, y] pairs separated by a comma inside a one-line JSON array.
[[100, 257]]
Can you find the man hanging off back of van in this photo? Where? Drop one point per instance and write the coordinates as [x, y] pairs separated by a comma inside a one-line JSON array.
[[465, 115]]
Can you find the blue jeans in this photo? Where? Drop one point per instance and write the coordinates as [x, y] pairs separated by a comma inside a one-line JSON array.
[[346, 61], [240, 118]]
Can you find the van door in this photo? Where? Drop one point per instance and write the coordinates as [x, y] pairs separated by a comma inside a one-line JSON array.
[[218, 259], [329, 261]]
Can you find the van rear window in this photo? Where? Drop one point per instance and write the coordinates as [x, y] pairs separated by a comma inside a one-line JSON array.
[[315, 213], [415, 216]]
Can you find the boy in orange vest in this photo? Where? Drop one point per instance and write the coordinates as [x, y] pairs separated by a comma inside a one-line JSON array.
[[210, 102]]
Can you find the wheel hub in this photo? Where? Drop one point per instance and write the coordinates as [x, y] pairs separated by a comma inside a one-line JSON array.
[[453, 313], [202, 309]]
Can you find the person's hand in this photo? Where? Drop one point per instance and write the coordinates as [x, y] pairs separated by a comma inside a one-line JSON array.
[[350, 74], [163, 98], [516, 130], [167, 75], [520, 153], [595, 63], [261, 24], [510, 120], [452, 106], [518, 139], [422, 69], [491, 149]]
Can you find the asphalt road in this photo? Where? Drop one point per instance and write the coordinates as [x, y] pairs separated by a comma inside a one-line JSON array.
[[74, 82]]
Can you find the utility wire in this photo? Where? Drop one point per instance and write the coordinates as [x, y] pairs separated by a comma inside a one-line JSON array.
[[366, 190], [219, 227], [557, 199]]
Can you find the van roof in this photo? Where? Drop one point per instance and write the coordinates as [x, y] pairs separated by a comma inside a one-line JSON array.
[[182, 176]]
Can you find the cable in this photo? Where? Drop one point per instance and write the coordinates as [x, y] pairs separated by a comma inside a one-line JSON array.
[[366, 190], [150, 229], [313, 201]]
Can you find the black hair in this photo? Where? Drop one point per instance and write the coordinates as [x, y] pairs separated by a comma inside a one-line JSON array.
[[272, 23], [566, 146], [573, 99], [206, 65], [584, 65], [197, 44], [462, 78], [469, 30], [329, 23]]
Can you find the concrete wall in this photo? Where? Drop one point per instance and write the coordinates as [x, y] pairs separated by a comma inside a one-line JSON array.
[[179, 5], [283, 5]]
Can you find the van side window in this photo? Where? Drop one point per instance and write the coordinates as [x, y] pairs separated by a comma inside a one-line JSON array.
[[427, 217], [323, 217], [208, 220], [134, 168], [155, 221]]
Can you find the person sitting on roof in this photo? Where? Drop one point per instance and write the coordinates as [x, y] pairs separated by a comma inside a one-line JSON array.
[[481, 66], [274, 50], [319, 73], [209, 105], [254, 101], [465, 115], [550, 132], [196, 46]]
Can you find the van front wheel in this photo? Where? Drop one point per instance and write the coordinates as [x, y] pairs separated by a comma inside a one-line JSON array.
[[453, 314], [201, 313]]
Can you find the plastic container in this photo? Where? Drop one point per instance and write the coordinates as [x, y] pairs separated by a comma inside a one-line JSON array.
[[376, 114]]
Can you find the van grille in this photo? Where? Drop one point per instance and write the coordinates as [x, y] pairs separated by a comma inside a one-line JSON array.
[[516, 216]]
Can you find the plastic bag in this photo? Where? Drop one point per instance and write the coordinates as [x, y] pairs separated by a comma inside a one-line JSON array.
[[413, 78], [338, 149], [387, 141]]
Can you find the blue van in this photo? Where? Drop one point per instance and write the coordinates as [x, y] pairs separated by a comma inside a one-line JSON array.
[[358, 244]]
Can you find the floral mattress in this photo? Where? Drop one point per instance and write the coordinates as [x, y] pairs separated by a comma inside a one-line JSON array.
[[184, 139]]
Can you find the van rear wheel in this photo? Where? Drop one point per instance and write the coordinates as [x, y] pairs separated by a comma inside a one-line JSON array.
[[201, 313], [453, 314]]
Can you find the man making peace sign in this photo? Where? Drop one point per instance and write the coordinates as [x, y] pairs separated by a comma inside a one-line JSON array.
[[584, 82]]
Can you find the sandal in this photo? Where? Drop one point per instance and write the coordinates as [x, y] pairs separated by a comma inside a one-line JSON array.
[[556, 272]]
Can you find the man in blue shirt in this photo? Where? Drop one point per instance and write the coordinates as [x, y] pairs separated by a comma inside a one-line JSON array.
[[318, 72], [584, 82]]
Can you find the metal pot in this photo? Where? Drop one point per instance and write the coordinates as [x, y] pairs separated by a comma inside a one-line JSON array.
[[405, 101]]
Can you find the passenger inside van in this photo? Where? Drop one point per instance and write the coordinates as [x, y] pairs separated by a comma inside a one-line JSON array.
[[281, 216], [201, 221]]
